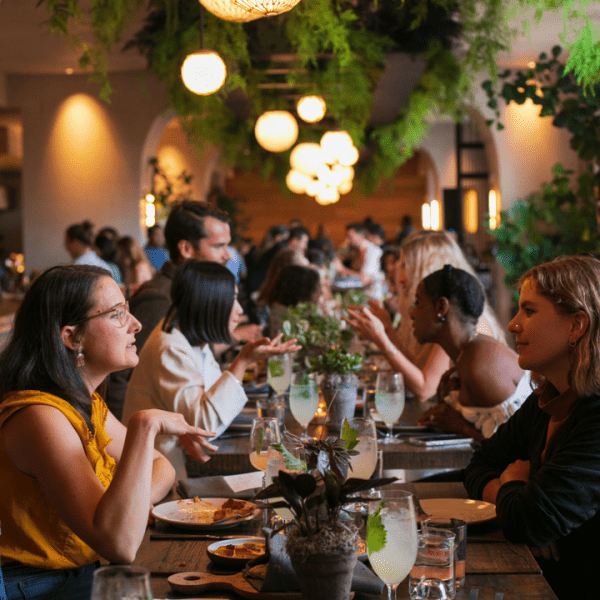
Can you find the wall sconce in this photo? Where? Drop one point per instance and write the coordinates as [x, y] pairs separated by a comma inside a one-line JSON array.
[[470, 219], [493, 209], [426, 216], [148, 211], [435, 215]]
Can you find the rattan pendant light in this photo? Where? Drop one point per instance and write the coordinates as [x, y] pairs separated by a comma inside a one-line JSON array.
[[242, 11]]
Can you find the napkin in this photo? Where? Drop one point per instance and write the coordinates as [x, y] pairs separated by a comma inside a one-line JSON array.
[[241, 487], [280, 576]]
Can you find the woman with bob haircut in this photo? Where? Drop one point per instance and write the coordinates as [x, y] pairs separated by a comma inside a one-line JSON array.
[[422, 365], [542, 467], [485, 386], [78, 485], [177, 369]]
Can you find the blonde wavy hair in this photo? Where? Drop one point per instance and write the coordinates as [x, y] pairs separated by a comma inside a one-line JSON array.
[[424, 252], [572, 284]]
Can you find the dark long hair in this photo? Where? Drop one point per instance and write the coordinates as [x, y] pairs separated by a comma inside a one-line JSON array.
[[295, 284], [202, 296], [36, 357]]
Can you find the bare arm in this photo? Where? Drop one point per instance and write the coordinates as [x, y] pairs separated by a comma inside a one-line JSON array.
[[41, 442], [422, 382]]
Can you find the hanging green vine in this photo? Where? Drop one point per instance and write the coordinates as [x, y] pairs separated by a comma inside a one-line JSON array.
[[340, 48]]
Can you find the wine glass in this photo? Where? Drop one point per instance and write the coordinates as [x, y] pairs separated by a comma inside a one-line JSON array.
[[389, 401], [264, 432], [392, 555], [304, 399], [121, 581], [363, 464], [279, 373]]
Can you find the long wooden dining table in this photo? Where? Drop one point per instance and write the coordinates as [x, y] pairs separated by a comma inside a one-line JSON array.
[[495, 568], [233, 454]]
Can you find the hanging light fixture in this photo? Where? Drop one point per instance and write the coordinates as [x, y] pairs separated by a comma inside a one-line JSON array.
[[297, 182], [276, 130], [203, 72], [307, 158], [311, 108], [242, 11]]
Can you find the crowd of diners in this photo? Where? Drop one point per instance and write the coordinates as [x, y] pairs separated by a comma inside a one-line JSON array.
[[110, 374]]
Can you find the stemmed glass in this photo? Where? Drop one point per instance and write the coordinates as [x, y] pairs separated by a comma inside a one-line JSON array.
[[121, 581], [389, 401], [304, 399], [264, 432], [392, 555], [363, 464], [279, 374]]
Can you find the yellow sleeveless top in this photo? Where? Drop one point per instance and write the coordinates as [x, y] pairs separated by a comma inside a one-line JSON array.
[[32, 531]]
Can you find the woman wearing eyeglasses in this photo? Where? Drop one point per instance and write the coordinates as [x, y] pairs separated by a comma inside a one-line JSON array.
[[77, 484], [486, 386]]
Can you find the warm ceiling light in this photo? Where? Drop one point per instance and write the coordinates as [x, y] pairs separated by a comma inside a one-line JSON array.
[[315, 187], [307, 158], [203, 72], [334, 143], [348, 156], [297, 182], [242, 11], [328, 195], [345, 186], [276, 130], [311, 108], [69, 71]]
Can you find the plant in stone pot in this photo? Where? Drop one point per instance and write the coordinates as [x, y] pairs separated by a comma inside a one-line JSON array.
[[322, 543], [339, 383]]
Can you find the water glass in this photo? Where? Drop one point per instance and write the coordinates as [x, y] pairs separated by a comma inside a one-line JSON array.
[[435, 560], [393, 555], [389, 401], [121, 581], [264, 432], [304, 399], [459, 528], [362, 464]]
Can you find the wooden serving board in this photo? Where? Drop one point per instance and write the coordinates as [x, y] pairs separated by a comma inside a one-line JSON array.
[[194, 582]]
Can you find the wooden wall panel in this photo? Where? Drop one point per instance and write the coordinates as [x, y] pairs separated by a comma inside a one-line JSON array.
[[264, 204]]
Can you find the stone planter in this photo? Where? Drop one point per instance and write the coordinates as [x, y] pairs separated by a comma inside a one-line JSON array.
[[339, 392]]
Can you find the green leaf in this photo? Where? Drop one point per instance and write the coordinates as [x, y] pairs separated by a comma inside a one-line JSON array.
[[276, 368], [291, 462], [376, 537], [349, 435]]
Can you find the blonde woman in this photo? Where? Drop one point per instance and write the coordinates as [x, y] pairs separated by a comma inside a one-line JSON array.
[[422, 365], [133, 262]]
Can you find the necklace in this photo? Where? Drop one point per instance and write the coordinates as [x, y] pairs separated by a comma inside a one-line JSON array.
[[471, 338]]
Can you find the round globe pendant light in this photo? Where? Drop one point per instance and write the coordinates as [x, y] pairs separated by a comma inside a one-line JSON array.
[[311, 108], [242, 11], [307, 158], [203, 72], [276, 130]]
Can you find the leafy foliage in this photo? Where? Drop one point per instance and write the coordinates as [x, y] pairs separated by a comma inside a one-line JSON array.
[[335, 360], [562, 218], [340, 47], [376, 536]]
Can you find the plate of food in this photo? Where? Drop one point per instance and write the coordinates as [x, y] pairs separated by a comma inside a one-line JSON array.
[[205, 513], [470, 511], [236, 552]]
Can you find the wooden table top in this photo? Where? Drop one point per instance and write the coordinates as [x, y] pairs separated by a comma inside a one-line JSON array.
[[232, 456], [492, 566]]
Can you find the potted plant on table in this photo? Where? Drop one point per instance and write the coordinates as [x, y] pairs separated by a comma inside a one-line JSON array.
[[321, 543]]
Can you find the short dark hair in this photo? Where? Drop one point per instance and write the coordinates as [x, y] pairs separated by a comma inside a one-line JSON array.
[[459, 287], [186, 222], [36, 357], [202, 297], [106, 243], [376, 229], [295, 284], [358, 227], [82, 232], [298, 232]]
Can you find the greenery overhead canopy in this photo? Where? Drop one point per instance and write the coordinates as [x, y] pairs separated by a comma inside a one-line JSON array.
[[338, 49]]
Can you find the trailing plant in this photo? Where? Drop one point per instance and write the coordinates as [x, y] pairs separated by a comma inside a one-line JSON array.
[[340, 47], [561, 219], [167, 191]]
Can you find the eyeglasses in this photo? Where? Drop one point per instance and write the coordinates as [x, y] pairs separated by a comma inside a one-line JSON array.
[[120, 312]]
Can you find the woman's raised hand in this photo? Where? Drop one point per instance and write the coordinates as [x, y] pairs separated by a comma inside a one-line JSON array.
[[265, 347], [379, 311], [366, 324]]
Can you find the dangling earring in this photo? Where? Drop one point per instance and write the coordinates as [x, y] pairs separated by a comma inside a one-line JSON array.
[[79, 358], [442, 319]]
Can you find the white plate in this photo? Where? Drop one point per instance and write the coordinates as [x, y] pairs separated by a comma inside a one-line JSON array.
[[180, 514], [470, 511], [230, 561]]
